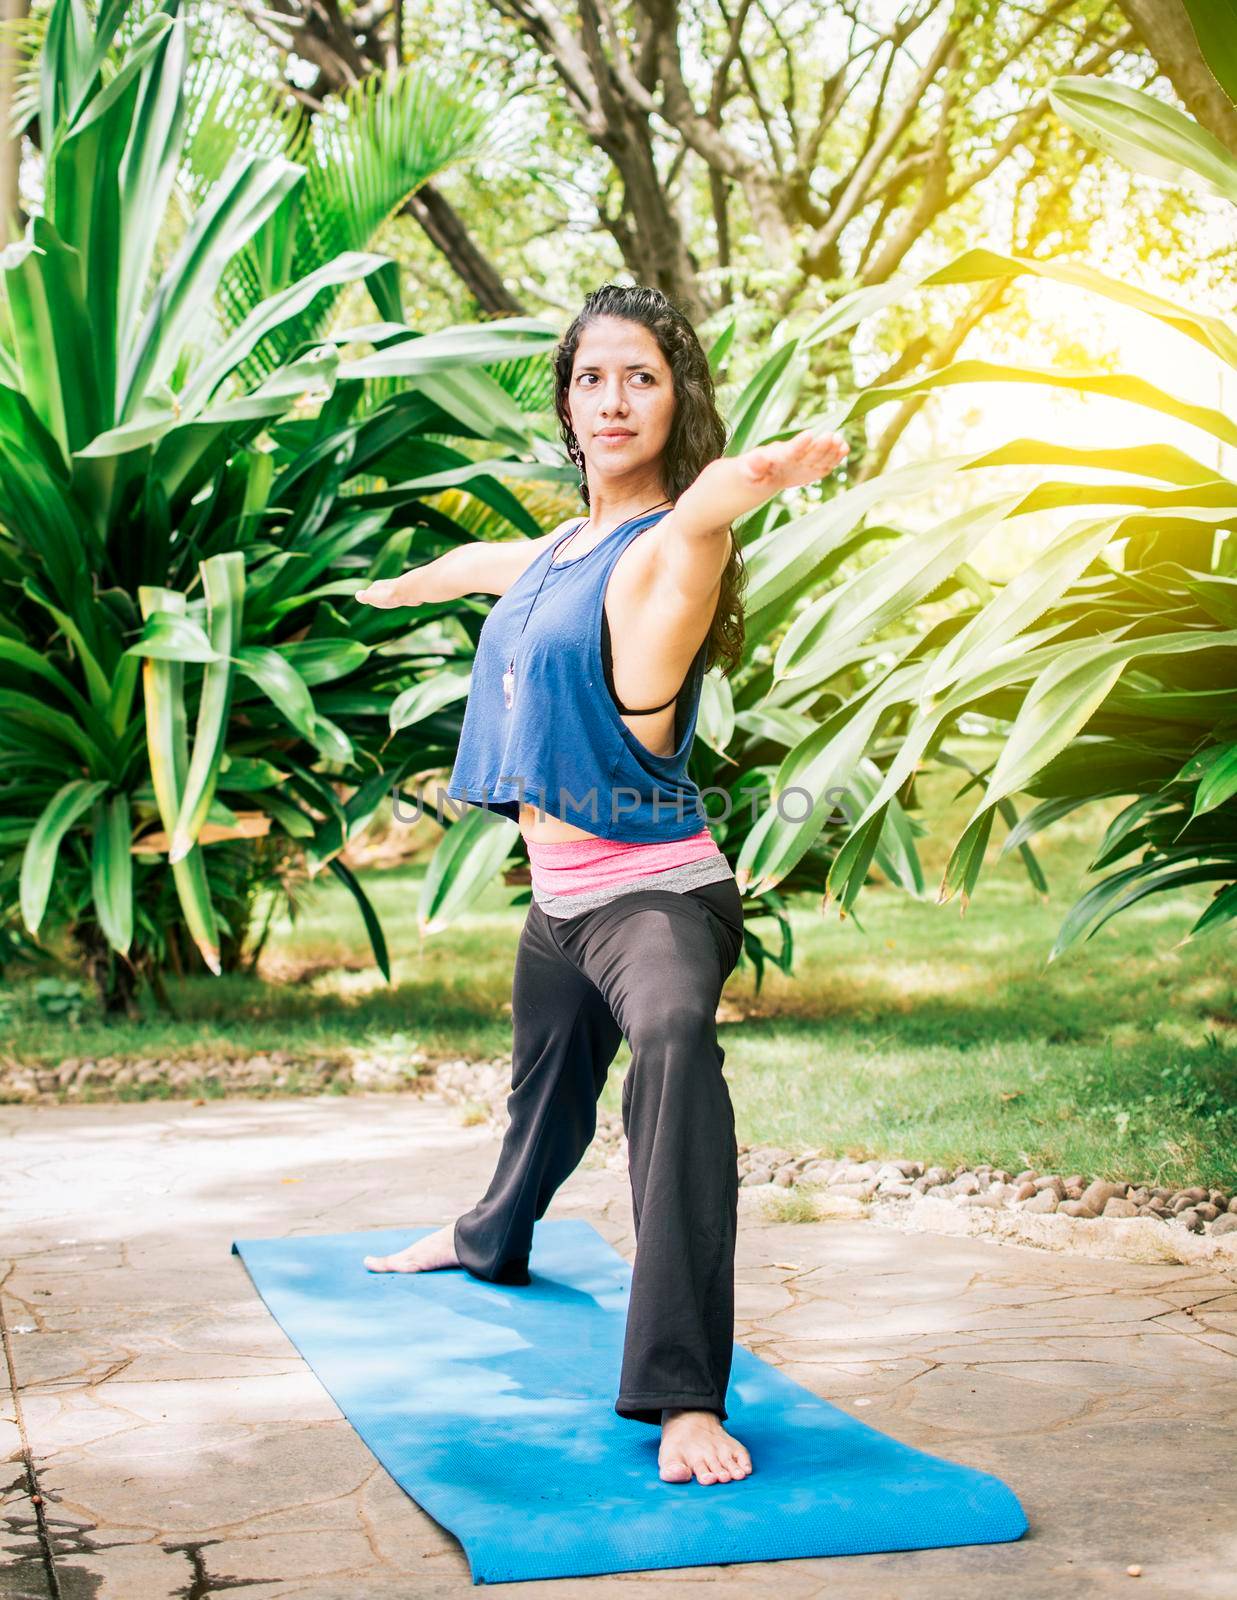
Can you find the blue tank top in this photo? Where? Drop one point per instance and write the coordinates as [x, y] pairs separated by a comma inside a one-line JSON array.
[[563, 746]]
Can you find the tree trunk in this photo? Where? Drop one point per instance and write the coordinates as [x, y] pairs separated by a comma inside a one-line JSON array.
[[646, 229], [1164, 26]]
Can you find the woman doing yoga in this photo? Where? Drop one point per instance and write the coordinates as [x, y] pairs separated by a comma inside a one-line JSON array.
[[584, 696]]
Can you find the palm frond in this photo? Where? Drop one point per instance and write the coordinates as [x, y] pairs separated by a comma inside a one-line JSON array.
[[228, 106], [372, 149]]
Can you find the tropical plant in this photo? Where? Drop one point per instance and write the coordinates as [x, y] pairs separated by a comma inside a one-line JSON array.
[[177, 676], [1109, 663]]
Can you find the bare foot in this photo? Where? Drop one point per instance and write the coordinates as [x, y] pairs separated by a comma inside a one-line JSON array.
[[435, 1250], [694, 1442]]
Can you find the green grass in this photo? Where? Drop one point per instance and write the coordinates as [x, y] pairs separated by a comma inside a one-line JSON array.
[[927, 1034]]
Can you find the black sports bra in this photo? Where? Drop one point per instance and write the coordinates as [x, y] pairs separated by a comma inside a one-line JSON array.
[[608, 666]]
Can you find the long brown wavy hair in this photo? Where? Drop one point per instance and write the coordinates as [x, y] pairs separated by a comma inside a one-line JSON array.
[[697, 433]]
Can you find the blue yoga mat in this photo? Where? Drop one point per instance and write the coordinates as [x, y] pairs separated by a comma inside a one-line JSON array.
[[493, 1407]]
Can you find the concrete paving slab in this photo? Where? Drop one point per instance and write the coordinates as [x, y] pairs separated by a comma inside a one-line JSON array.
[[182, 1448]]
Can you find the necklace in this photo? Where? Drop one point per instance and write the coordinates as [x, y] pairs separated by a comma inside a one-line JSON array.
[[509, 675]]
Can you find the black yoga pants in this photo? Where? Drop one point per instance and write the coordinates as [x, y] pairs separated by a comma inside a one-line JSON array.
[[647, 967]]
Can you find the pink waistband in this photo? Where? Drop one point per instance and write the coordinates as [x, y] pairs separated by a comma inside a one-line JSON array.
[[572, 866]]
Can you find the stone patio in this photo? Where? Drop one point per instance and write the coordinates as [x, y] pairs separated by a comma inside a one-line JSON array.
[[180, 1448]]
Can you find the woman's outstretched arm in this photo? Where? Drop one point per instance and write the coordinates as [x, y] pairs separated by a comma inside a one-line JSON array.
[[486, 566], [694, 539]]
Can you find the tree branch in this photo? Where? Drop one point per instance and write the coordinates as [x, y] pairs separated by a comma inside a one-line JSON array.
[[736, 53], [444, 228], [853, 196], [678, 110]]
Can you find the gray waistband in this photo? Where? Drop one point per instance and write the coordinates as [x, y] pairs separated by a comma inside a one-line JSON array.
[[691, 875]]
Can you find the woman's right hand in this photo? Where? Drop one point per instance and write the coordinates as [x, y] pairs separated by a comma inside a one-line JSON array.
[[387, 593]]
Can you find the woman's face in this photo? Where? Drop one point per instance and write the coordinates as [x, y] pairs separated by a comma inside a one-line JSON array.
[[620, 381]]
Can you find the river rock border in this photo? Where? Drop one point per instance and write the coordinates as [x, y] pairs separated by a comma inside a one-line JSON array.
[[1096, 1217], [1028, 1191], [81, 1080]]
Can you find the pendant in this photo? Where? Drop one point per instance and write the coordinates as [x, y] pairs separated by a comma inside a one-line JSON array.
[[509, 685]]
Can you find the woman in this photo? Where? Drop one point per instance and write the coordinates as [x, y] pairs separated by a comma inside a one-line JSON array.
[[636, 920]]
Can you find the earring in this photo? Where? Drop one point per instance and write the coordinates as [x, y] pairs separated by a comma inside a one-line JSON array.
[[577, 456]]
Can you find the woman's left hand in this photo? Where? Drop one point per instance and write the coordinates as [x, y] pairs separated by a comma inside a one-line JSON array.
[[792, 463]]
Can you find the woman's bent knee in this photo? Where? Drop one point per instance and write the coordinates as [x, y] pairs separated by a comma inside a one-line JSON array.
[[683, 1026]]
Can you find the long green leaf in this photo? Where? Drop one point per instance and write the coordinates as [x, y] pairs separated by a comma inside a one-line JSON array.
[[456, 346], [1218, 782], [369, 916], [148, 170], [223, 582], [287, 690], [985, 265], [28, 711], [1024, 599], [167, 753], [765, 403], [822, 765], [21, 656], [74, 629], [170, 636], [250, 189], [849, 614], [1123, 889], [266, 317], [111, 870], [463, 866], [1221, 911], [84, 204], [1065, 695], [52, 336], [1112, 385], [1215, 27], [325, 660], [38, 863], [423, 699], [1145, 133], [479, 404], [68, 65]]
